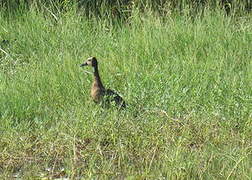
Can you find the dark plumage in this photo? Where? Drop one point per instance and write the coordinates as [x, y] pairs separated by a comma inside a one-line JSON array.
[[98, 92]]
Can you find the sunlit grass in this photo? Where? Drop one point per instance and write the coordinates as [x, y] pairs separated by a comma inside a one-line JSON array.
[[187, 83]]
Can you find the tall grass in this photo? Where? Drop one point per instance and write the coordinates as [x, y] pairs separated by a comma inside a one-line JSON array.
[[123, 9], [187, 83]]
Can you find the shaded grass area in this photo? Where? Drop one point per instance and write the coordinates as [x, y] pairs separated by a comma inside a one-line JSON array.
[[188, 85]]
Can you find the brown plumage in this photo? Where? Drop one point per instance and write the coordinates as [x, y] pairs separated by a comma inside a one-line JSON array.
[[98, 92]]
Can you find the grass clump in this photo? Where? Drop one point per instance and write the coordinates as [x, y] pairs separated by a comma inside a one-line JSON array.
[[188, 84]]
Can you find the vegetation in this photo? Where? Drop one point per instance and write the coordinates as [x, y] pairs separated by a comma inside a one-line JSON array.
[[123, 8], [187, 82]]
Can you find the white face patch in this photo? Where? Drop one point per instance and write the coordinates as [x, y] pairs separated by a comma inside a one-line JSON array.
[[89, 61]]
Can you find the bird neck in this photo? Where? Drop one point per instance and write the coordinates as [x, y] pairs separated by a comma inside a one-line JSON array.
[[97, 78]]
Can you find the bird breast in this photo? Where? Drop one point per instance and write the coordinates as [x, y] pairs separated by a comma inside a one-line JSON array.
[[97, 92]]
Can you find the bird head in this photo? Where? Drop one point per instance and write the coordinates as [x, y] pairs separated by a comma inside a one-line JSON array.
[[91, 61]]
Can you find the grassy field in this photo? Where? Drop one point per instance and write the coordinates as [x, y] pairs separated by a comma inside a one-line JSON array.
[[188, 84]]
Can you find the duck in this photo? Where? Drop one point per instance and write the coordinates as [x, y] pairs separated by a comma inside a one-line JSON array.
[[99, 93]]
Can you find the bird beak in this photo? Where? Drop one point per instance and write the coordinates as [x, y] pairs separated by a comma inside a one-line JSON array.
[[84, 64]]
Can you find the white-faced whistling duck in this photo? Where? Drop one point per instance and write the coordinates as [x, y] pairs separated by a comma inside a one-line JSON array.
[[98, 92]]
